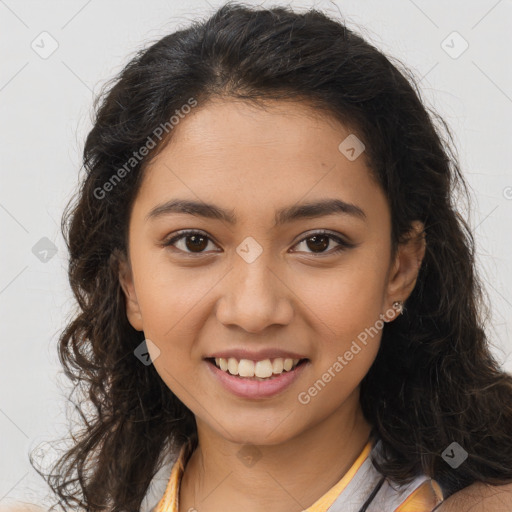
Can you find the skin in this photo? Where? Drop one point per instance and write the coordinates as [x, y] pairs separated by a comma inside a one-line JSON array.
[[255, 161], [21, 507], [479, 497]]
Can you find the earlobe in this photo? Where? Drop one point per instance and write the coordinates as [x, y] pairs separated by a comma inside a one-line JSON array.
[[404, 273], [133, 312]]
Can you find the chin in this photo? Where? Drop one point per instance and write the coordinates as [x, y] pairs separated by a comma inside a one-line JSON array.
[[256, 434]]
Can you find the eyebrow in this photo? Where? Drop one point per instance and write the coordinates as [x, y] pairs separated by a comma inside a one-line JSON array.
[[284, 215]]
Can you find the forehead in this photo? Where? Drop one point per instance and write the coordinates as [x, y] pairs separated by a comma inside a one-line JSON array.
[[234, 153], [283, 129]]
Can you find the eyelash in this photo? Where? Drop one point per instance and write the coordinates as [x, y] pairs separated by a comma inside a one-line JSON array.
[[342, 243]]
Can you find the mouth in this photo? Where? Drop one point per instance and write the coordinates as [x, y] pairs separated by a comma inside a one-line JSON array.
[[265, 370], [256, 380]]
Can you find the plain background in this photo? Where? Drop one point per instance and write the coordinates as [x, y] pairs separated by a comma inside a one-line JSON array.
[[45, 106]]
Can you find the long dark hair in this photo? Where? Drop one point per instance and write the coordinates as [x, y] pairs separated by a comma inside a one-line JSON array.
[[434, 380]]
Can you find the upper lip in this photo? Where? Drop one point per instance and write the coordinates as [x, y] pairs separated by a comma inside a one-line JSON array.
[[260, 355]]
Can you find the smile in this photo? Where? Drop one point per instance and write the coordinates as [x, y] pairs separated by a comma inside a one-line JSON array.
[[252, 386], [263, 369]]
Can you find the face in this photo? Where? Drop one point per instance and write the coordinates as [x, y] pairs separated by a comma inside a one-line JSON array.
[[267, 274]]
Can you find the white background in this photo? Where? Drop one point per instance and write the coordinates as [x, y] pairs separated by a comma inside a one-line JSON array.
[[45, 107]]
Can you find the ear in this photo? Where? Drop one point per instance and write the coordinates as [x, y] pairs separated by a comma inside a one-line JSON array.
[[133, 312], [404, 271]]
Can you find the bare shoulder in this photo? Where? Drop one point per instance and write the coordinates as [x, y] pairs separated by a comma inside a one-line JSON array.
[[20, 507], [480, 497]]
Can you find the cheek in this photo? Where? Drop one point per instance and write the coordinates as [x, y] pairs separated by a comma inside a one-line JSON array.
[[345, 353], [170, 304], [169, 296], [347, 299], [346, 306]]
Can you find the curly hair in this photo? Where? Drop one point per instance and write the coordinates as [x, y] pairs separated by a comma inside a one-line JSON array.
[[434, 380]]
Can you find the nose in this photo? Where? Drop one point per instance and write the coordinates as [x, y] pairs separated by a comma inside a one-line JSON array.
[[255, 296]]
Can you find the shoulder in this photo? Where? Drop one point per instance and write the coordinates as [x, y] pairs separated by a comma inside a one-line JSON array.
[[479, 497], [21, 507]]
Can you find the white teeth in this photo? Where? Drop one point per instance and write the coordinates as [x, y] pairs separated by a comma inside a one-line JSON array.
[[260, 369], [277, 365], [233, 366], [246, 368], [263, 369]]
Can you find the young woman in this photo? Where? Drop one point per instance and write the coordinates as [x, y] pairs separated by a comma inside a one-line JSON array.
[[277, 294]]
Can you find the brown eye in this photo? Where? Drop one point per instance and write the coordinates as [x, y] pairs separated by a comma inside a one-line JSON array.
[[192, 242], [318, 243], [197, 242]]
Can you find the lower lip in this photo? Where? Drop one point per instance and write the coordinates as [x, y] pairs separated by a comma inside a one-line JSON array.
[[249, 388]]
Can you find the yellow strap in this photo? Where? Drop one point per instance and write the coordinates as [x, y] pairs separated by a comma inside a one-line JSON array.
[[325, 501], [169, 501], [424, 498]]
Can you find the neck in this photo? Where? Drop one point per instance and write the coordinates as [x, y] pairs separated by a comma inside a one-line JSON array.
[[279, 478]]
